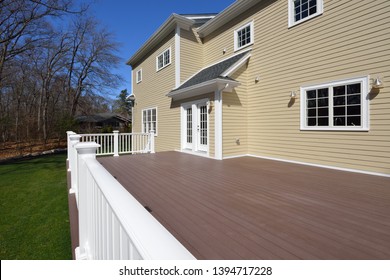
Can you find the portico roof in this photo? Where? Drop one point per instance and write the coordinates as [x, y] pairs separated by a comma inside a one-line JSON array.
[[212, 77]]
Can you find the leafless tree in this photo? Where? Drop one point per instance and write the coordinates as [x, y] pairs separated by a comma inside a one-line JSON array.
[[93, 58], [49, 70], [21, 25]]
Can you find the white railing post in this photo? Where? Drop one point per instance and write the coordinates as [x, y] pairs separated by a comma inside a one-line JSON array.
[[68, 133], [85, 151], [74, 139], [151, 135], [116, 143]]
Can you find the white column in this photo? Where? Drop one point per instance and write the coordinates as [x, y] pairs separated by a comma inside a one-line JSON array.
[[116, 143], [74, 139], [85, 150], [151, 135], [218, 124]]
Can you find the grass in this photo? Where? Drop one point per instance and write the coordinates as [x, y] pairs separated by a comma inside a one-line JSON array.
[[34, 220]]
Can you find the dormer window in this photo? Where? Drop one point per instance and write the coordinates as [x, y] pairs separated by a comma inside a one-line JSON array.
[[243, 36], [163, 60], [302, 10], [138, 76]]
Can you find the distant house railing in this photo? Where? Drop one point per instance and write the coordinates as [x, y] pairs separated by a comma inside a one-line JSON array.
[[112, 223]]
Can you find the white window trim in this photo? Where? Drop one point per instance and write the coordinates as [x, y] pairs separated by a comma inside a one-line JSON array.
[[142, 119], [291, 20], [364, 103], [251, 24], [136, 76], [162, 54]]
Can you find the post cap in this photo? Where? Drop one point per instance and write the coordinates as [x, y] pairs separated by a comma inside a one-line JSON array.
[[86, 147]]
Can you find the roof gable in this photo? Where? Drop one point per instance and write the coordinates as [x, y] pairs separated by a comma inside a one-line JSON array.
[[213, 72], [226, 16], [214, 77], [183, 21]]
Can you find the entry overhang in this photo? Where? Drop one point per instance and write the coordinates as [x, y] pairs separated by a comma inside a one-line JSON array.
[[220, 84]]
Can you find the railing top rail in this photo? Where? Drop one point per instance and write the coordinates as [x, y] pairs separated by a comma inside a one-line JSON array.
[[97, 134], [137, 133], [152, 240], [106, 134]]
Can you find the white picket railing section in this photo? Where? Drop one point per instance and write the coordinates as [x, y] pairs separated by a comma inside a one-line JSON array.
[[121, 143], [105, 140], [112, 223]]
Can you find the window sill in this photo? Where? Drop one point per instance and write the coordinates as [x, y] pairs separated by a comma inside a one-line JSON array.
[[241, 48], [292, 23], [327, 129], [165, 66]]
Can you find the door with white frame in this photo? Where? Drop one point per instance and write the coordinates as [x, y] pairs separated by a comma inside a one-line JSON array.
[[195, 126], [187, 127], [202, 127]]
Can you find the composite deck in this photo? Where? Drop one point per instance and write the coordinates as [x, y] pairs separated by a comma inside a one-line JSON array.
[[250, 208]]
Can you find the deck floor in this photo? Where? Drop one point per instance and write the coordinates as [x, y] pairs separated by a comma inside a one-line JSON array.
[[250, 208]]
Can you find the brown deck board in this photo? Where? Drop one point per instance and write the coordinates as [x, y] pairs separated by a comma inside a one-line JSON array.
[[250, 208]]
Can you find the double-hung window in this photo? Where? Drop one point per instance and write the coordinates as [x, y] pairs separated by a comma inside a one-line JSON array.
[[302, 10], [149, 120], [139, 76], [243, 36], [164, 59], [341, 105]]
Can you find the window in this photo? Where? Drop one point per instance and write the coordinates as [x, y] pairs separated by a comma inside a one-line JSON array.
[[149, 120], [243, 36], [163, 60], [302, 10], [340, 105], [189, 125], [139, 76]]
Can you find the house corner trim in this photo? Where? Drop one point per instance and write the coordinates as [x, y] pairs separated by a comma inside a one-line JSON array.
[[218, 124], [177, 57]]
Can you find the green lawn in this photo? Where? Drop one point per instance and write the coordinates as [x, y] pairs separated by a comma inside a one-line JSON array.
[[34, 220]]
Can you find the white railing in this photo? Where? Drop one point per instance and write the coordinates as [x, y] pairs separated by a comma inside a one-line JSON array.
[[109, 144], [121, 143], [112, 223]]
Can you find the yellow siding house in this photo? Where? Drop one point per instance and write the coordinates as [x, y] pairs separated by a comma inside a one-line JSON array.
[[305, 81]]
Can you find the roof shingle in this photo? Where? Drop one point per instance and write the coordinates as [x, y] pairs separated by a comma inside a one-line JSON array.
[[213, 72]]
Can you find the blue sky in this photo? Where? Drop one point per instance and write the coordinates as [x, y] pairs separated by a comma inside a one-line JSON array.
[[133, 22]]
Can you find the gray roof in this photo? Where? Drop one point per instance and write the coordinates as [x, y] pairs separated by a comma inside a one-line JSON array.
[[100, 118], [213, 72]]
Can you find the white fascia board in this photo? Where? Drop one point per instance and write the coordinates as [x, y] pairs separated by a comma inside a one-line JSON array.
[[163, 31], [236, 65]]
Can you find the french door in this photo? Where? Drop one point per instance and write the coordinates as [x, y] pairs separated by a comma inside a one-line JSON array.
[[195, 125], [202, 127]]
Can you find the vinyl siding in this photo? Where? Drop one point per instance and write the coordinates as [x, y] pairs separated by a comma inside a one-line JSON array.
[[151, 92], [191, 51], [235, 120], [350, 39]]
